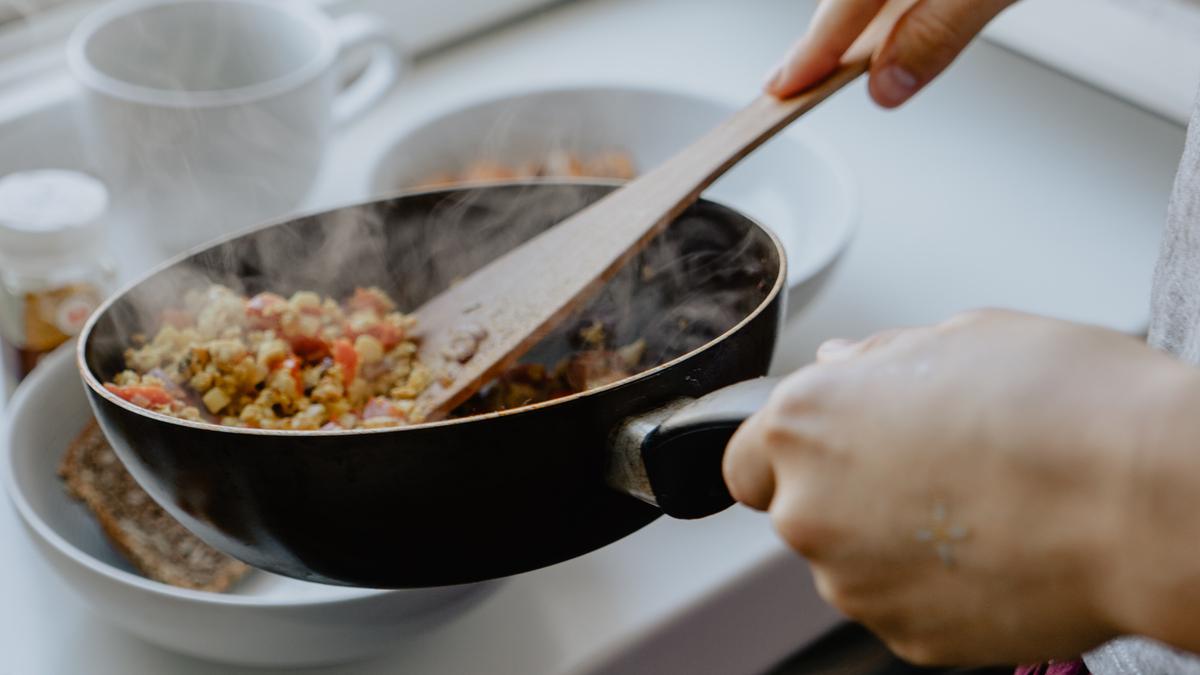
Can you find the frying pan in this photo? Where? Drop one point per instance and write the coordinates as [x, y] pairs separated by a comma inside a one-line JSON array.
[[488, 495]]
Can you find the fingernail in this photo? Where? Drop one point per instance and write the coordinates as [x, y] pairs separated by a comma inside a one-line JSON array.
[[895, 85], [774, 78], [779, 74]]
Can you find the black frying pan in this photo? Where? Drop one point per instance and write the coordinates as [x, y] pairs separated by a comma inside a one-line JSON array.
[[486, 496]]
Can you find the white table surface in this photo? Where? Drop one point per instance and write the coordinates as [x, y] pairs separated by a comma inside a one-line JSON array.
[[1147, 51], [1007, 185]]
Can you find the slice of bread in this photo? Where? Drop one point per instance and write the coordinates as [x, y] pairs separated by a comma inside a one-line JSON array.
[[157, 545]]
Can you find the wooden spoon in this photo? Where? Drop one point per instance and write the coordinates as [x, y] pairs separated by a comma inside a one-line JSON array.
[[480, 326]]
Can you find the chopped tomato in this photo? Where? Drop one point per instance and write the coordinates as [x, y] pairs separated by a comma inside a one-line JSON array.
[[263, 310], [370, 298], [345, 356], [388, 335], [381, 407], [141, 395], [308, 347], [292, 364]]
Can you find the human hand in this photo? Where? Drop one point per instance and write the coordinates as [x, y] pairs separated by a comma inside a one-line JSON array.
[[923, 38], [964, 489]]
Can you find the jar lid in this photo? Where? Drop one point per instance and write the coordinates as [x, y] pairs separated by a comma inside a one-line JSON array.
[[50, 214]]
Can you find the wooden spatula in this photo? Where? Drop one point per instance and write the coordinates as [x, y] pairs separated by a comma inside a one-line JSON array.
[[483, 324]]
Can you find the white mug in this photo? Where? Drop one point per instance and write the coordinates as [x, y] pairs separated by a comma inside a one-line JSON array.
[[206, 116]]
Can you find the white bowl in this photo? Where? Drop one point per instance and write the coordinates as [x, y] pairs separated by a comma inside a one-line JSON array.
[[796, 185], [267, 620]]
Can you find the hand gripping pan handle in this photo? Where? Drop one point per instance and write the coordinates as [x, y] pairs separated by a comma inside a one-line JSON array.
[[671, 457]]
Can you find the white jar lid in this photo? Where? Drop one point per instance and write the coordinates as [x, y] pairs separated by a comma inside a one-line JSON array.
[[50, 215]]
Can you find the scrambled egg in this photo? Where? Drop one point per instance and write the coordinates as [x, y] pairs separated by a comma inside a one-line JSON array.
[[270, 362]]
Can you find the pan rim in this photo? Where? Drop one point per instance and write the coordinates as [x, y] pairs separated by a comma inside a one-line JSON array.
[[96, 387]]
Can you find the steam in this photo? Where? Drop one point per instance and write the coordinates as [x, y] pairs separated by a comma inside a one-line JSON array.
[[694, 291], [12, 11], [688, 286], [185, 171]]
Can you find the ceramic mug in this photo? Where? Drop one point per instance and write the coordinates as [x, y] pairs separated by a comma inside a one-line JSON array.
[[206, 116]]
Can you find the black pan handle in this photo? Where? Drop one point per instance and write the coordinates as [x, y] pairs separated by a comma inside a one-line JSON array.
[[671, 457]]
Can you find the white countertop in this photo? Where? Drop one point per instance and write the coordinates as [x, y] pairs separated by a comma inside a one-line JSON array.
[[1146, 51], [1006, 185]]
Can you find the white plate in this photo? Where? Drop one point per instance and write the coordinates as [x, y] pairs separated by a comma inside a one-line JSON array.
[[797, 186], [267, 620]]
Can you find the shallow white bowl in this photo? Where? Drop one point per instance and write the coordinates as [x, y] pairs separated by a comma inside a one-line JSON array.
[[267, 620], [796, 185]]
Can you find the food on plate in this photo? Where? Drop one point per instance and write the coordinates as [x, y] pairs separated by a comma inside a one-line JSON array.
[[308, 362], [154, 542], [560, 164]]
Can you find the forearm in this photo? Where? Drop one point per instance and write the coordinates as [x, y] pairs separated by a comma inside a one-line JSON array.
[[1153, 553]]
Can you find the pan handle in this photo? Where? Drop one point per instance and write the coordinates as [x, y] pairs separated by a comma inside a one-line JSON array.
[[671, 457]]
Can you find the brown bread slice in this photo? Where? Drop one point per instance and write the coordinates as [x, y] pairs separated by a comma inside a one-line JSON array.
[[157, 545]]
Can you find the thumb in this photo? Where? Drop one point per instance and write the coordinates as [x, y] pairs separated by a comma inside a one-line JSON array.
[[925, 40]]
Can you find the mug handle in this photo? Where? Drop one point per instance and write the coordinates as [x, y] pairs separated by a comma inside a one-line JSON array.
[[387, 62]]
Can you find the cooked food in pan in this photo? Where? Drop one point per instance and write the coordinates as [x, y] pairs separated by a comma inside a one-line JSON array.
[[308, 362], [270, 362], [501, 494], [595, 364]]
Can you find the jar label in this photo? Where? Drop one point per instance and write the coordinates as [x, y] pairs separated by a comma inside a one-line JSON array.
[[73, 312]]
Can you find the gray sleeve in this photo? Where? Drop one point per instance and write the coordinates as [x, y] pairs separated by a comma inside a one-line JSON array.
[[1139, 656]]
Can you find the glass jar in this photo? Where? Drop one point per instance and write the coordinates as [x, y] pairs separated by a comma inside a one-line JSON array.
[[53, 269]]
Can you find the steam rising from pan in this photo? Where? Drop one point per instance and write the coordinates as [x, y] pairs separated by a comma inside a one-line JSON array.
[[689, 285]]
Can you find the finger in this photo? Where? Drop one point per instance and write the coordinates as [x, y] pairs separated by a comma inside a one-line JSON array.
[[834, 27], [823, 581], [797, 513], [925, 40], [834, 351], [838, 349], [747, 467], [977, 316]]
